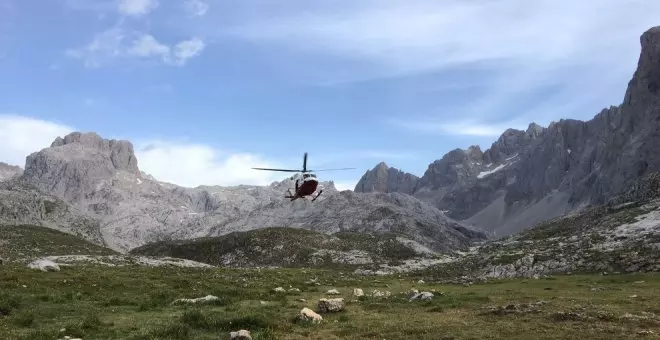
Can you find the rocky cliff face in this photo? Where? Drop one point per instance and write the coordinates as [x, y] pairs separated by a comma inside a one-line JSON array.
[[382, 178], [100, 179], [527, 177], [9, 171]]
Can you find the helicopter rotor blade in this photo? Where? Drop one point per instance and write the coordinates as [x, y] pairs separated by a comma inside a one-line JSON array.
[[305, 162], [283, 170], [330, 169]]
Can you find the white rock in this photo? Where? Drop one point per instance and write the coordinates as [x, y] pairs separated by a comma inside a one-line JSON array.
[[331, 305], [279, 290], [358, 292], [422, 296], [307, 314], [378, 293], [240, 335], [294, 290], [44, 265], [333, 292], [207, 298]]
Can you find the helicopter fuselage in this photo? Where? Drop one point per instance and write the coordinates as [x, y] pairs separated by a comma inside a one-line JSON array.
[[307, 187]]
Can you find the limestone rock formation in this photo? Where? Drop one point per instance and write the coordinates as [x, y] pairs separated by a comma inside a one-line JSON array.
[[385, 179], [75, 164]]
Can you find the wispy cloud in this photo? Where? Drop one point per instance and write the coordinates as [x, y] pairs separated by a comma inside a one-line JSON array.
[[458, 128], [571, 55], [117, 42], [424, 34], [187, 49], [195, 7], [137, 7]]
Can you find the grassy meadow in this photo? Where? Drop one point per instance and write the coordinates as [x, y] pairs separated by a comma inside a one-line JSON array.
[[97, 302]]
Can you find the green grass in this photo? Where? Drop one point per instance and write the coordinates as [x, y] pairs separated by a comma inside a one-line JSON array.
[[17, 242], [94, 302]]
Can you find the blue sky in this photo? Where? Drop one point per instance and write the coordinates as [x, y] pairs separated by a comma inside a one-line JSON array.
[[206, 89]]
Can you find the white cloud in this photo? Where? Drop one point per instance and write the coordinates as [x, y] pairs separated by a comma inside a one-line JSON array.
[[22, 136], [118, 43], [190, 164], [187, 49], [467, 128], [196, 7], [182, 163], [147, 45], [104, 47], [345, 185], [137, 7]]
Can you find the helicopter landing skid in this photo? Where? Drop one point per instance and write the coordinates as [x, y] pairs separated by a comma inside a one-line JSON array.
[[317, 196]]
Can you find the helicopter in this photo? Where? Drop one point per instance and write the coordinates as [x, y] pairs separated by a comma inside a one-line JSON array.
[[309, 181]]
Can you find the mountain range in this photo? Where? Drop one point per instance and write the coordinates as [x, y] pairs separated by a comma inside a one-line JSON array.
[[92, 187], [527, 177]]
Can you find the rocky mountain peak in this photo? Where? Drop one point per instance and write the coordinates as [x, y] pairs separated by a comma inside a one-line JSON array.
[[383, 178], [121, 152], [474, 153], [456, 167], [511, 142], [75, 165], [534, 130], [645, 83]]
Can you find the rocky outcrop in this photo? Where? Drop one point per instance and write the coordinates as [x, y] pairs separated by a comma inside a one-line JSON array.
[[74, 165], [9, 171], [21, 204], [385, 179]]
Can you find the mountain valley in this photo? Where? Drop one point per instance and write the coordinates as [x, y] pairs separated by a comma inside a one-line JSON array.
[[552, 231]]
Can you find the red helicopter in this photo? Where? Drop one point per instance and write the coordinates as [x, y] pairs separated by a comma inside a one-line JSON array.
[[309, 181]]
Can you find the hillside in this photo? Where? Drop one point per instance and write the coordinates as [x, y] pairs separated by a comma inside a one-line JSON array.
[[23, 204], [383, 178], [527, 177], [21, 243], [290, 247], [622, 235]]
